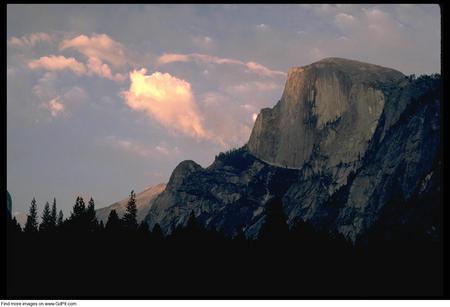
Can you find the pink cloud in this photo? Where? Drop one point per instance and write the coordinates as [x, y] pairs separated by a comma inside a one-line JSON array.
[[99, 46], [55, 106], [172, 57], [205, 58], [167, 99], [262, 70], [54, 62], [30, 40], [96, 67]]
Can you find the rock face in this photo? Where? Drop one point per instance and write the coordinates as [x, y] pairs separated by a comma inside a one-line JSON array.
[[144, 200], [345, 140], [332, 106]]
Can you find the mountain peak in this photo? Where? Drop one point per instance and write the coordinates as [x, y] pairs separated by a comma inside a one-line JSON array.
[[357, 70], [320, 102]]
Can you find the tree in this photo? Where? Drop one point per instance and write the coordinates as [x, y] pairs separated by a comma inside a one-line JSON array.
[[101, 227], [60, 220], [16, 225], [78, 218], [129, 218], [91, 216], [32, 224], [113, 224], [53, 214], [275, 229], [46, 220], [79, 208]]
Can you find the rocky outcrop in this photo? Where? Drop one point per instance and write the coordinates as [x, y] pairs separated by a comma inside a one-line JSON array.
[[332, 106], [344, 141], [229, 195], [144, 201]]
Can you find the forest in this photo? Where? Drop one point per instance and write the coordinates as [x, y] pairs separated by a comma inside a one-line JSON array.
[[78, 257]]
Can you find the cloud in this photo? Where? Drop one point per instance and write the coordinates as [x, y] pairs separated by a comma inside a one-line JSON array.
[[252, 86], [173, 57], [203, 41], [262, 70], [96, 67], [54, 63], [262, 26], [167, 99], [344, 20], [130, 146], [209, 59], [55, 106], [254, 117], [99, 46], [30, 40], [140, 149], [56, 98]]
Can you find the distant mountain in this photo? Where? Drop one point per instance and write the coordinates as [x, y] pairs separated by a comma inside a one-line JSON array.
[[348, 145], [144, 201]]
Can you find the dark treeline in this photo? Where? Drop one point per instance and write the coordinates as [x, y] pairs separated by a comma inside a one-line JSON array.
[[80, 256]]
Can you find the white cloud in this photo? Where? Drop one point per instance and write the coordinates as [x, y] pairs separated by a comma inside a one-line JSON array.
[[262, 26]]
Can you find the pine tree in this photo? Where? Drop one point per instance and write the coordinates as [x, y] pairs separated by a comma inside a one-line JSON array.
[[60, 220], [78, 219], [32, 224], [46, 221], [79, 208], [129, 218], [53, 214], [16, 225], [91, 216], [113, 224]]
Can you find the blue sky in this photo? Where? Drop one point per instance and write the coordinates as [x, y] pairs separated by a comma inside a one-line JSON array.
[[102, 99]]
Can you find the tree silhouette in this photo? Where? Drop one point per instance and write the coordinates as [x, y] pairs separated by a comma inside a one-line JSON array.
[[60, 219], [16, 225], [275, 228], [32, 224], [53, 214], [78, 209], [101, 227], [90, 216], [78, 218], [129, 218], [46, 220], [113, 224]]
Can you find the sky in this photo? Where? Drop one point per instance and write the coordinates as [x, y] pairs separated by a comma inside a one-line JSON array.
[[103, 99]]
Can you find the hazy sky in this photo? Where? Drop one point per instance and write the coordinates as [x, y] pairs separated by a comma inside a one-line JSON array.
[[102, 99]]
